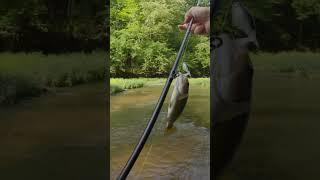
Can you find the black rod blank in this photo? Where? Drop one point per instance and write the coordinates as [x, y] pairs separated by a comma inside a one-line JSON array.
[[136, 152]]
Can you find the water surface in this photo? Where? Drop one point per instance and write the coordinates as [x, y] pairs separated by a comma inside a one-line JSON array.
[[282, 138], [180, 154], [56, 136]]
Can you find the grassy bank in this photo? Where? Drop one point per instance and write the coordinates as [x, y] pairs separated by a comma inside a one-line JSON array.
[[119, 84], [294, 64], [305, 64], [24, 75]]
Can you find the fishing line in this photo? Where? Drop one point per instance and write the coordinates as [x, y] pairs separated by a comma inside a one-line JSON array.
[[144, 137], [145, 159], [185, 49], [160, 127]]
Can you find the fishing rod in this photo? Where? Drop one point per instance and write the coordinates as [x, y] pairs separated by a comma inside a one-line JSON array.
[[137, 150]]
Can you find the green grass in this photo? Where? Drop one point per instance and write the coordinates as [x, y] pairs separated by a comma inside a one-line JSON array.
[[128, 83], [119, 84], [23, 75], [294, 63], [300, 64], [114, 89]]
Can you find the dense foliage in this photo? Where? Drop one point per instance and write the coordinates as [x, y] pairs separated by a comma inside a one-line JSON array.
[[26, 75], [52, 26], [287, 24], [145, 38], [144, 34]]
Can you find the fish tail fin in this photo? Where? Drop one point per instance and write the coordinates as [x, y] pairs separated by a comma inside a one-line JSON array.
[[169, 124]]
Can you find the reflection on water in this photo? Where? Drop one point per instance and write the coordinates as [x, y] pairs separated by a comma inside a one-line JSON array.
[[181, 154], [57, 136]]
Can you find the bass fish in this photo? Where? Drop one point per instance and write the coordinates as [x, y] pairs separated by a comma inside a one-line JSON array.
[[179, 97]]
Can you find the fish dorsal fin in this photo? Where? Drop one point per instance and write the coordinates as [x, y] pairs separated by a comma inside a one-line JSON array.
[[186, 69]]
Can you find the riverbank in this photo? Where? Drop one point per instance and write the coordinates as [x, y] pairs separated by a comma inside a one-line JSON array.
[[28, 75], [299, 64], [118, 85]]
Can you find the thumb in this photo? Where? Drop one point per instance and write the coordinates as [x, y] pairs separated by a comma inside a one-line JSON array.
[[183, 26], [187, 18]]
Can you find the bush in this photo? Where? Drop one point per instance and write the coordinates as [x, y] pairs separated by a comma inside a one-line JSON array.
[[13, 88], [24, 75]]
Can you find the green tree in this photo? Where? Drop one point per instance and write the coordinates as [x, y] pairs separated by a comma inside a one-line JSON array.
[[145, 37]]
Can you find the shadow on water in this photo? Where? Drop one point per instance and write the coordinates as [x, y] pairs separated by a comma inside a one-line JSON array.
[[57, 136], [282, 138], [180, 154]]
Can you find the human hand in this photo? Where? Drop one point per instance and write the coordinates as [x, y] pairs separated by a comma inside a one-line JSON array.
[[201, 22]]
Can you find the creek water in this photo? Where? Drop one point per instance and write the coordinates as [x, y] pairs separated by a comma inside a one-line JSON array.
[[60, 135], [182, 153], [281, 141]]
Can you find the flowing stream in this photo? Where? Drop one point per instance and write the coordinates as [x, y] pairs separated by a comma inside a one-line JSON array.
[[182, 153], [61, 135]]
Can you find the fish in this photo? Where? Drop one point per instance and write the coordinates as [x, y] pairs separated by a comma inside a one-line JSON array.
[[244, 21], [231, 88], [179, 97]]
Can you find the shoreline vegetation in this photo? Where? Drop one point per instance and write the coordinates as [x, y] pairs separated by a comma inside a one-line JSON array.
[[305, 64], [118, 85], [29, 75], [292, 64]]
